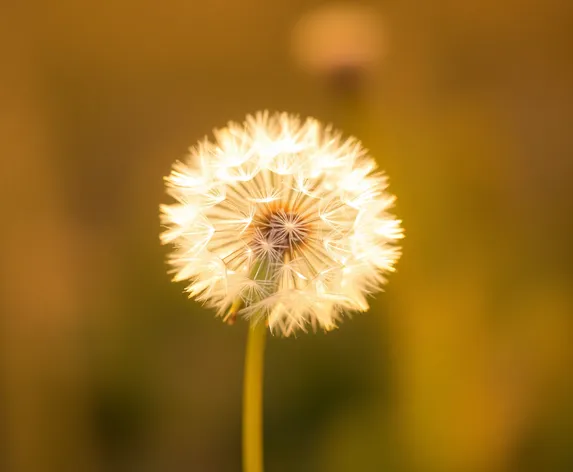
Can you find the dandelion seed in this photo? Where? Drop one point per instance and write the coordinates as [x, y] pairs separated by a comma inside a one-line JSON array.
[[282, 220]]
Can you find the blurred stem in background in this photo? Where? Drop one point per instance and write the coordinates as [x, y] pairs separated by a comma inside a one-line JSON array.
[[345, 101], [253, 398]]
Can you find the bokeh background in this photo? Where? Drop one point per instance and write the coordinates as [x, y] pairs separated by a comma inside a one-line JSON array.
[[464, 364]]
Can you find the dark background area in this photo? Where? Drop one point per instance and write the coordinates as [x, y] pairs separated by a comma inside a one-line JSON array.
[[464, 364]]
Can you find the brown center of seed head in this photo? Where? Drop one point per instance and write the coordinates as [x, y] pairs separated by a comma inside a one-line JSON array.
[[279, 232]]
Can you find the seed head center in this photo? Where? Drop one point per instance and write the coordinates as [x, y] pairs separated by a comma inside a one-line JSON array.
[[286, 228], [278, 232]]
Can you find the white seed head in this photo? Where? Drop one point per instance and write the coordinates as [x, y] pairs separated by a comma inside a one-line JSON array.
[[282, 221]]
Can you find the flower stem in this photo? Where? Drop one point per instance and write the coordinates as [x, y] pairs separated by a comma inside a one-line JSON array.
[[253, 398]]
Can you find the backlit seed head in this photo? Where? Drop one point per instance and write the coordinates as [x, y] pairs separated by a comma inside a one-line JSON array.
[[280, 220]]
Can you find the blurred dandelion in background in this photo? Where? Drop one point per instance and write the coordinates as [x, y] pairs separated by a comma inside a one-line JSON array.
[[342, 42]]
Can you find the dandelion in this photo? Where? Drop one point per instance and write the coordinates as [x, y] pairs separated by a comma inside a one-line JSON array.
[[284, 223], [342, 43], [280, 220]]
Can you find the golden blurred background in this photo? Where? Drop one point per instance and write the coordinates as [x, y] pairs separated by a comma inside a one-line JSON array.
[[464, 364]]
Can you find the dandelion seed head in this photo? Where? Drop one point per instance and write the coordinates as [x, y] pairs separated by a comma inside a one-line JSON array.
[[280, 220]]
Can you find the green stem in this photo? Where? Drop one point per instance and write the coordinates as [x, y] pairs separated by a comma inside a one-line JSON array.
[[253, 399]]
